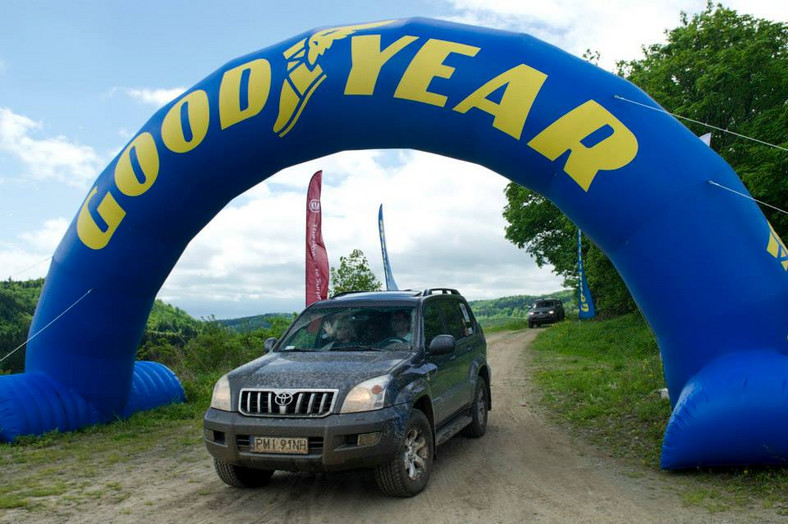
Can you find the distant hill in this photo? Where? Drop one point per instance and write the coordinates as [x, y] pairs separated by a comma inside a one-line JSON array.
[[245, 324], [170, 326], [485, 310], [18, 300], [517, 306]]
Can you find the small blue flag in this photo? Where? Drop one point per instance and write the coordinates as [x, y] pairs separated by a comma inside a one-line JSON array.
[[586, 302], [390, 284]]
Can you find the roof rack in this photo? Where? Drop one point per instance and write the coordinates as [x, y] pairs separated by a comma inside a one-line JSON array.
[[343, 293], [439, 291]]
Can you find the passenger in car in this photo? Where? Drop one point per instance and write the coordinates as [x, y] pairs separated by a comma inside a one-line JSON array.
[[400, 324], [344, 334]]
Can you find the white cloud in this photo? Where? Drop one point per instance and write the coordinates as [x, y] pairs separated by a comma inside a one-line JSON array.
[[442, 229], [19, 264], [28, 256], [46, 239], [54, 158], [615, 28], [155, 97]]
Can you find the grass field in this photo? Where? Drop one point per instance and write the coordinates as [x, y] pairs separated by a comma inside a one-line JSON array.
[[598, 379], [601, 379]]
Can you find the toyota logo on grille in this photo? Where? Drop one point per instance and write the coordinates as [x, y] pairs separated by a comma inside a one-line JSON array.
[[283, 399]]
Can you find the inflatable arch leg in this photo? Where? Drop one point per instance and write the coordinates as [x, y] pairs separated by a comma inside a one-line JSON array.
[[635, 180]]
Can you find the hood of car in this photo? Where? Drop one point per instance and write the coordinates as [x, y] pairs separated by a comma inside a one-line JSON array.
[[330, 370]]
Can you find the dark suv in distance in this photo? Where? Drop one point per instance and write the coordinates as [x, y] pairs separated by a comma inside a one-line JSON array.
[[545, 311], [362, 380]]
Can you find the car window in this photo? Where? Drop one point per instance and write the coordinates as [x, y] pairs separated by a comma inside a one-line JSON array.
[[452, 318], [433, 322], [546, 303], [351, 328], [466, 318]]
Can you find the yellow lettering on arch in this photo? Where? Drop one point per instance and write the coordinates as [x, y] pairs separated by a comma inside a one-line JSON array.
[[426, 65], [148, 159], [522, 85], [567, 133], [109, 210], [258, 88], [197, 119], [776, 248], [368, 60]]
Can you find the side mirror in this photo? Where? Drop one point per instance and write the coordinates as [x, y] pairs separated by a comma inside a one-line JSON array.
[[442, 345], [269, 344]]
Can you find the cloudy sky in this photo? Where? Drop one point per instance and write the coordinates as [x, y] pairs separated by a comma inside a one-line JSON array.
[[77, 82]]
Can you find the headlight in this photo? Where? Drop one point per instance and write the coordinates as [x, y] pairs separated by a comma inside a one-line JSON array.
[[367, 396], [552, 312], [530, 313], [221, 395]]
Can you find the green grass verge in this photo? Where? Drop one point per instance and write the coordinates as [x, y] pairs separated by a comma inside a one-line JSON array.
[[495, 325], [65, 466], [601, 378], [597, 377]]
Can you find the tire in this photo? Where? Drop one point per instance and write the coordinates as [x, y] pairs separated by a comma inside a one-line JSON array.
[[240, 477], [531, 325], [478, 425], [409, 470]]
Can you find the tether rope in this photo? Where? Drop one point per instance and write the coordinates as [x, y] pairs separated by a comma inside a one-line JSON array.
[[748, 197], [29, 267], [712, 182], [659, 109], [43, 328]]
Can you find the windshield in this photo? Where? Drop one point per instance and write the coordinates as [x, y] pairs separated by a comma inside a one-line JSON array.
[[368, 328], [543, 303]]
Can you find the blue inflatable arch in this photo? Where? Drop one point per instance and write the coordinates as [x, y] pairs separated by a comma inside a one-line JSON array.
[[698, 260]]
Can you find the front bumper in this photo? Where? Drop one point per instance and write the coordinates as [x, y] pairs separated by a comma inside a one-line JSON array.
[[333, 440], [544, 318]]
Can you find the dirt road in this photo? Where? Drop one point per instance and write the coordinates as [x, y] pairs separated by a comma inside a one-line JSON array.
[[523, 470]]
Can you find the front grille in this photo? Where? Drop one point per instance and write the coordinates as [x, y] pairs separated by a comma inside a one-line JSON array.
[[287, 402]]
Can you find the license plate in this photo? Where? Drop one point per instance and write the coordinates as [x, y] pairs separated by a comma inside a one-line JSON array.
[[284, 445]]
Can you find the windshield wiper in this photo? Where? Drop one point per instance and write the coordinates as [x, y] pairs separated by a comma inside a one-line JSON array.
[[357, 348]]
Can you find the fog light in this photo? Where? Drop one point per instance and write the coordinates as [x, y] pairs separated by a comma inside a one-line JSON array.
[[367, 439], [214, 436]]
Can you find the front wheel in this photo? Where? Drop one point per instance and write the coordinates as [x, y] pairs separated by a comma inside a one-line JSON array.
[[240, 477], [478, 425], [408, 472]]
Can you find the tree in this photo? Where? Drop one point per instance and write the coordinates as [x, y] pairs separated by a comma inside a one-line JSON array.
[[731, 71], [17, 304], [719, 67], [539, 227], [353, 275]]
